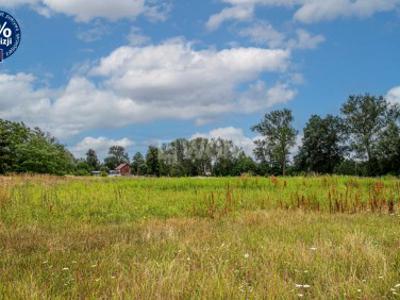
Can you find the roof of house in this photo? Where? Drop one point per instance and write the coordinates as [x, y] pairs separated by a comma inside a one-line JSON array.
[[122, 166]]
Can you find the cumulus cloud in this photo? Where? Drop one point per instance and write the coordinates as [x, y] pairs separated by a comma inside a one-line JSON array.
[[137, 84], [100, 144], [307, 11], [86, 10], [393, 96], [236, 135], [259, 96]]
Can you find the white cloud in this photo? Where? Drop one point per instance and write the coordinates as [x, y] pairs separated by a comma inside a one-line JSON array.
[[259, 97], [262, 33], [305, 40], [86, 10], [241, 13], [140, 84], [233, 134], [393, 96], [308, 11], [316, 10], [174, 71], [101, 145]]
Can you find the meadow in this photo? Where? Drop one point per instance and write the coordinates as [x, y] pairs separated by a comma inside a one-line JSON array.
[[199, 238]]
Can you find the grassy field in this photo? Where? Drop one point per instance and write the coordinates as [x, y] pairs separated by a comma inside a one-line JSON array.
[[227, 238]]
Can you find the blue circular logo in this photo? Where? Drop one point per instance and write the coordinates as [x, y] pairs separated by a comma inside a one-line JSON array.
[[10, 35]]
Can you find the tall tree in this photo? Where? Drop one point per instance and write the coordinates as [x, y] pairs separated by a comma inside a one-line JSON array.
[[11, 136], [116, 156], [91, 160], [41, 153], [139, 164], [365, 117], [152, 161], [278, 137], [389, 149], [322, 145]]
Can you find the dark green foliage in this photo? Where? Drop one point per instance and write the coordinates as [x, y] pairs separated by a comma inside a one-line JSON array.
[[278, 137], [24, 150], [389, 149], [92, 161], [152, 161], [365, 117], [322, 145], [138, 165]]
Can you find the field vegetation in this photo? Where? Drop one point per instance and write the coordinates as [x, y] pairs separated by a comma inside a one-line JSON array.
[[199, 238]]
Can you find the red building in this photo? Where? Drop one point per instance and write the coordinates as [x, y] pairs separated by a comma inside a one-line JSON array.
[[124, 169]]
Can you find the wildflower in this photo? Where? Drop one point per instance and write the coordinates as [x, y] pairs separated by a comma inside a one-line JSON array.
[[246, 255], [299, 286], [65, 269], [359, 290], [380, 277], [188, 259], [300, 295], [313, 249], [306, 286], [306, 271]]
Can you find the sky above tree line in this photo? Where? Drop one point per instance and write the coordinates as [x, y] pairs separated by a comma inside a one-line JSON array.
[[141, 72]]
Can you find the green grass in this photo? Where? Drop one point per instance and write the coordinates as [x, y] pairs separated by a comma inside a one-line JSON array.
[[228, 238]]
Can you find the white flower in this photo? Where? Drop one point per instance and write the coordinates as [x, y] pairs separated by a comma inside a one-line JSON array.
[[300, 295], [299, 286], [359, 290], [246, 255], [306, 286], [313, 249], [65, 269]]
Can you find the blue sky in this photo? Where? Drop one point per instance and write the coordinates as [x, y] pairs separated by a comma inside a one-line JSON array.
[[140, 72]]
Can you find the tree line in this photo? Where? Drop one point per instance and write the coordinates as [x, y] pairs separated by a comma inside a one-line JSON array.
[[363, 140]]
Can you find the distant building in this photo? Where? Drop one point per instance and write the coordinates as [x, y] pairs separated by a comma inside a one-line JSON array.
[[96, 173], [124, 169]]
